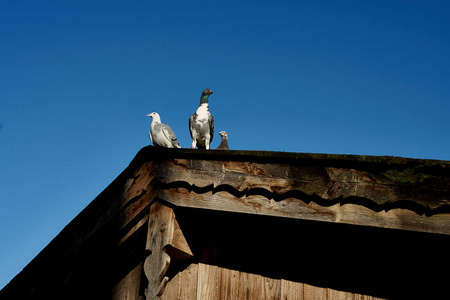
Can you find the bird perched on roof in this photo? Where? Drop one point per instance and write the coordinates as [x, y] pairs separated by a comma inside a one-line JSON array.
[[161, 134], [224, 142], [201, 123]]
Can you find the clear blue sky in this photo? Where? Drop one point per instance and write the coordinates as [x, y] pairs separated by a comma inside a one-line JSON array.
[[77, 79]]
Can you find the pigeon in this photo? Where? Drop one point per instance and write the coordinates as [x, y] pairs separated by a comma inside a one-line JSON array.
[[161, 135], [224, 143], [201, 123]]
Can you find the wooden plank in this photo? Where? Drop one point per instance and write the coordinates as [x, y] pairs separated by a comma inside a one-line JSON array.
[[372, 183], [135, 228], [128, 287], [228, 284], [165, 240], [294, 208], [360, 297], [271, 288], [338, 295], [250, 286], [138, 183], [133, 209], [177, 246], [172, 290], [311, 292], [208, 280], [156, 265], [414, 200], [291, 290], [189, 283]]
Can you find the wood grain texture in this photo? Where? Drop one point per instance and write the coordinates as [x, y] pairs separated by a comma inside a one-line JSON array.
[[409, 199], [271, 288], [228, 284], [183, 286], [311, 292], [173, 287], [294, 208], [159, 234], [338, 295], [250, 286], [327, 182], [101, 242], [207, 285], [291, 290], [177, 246], [189, 283]]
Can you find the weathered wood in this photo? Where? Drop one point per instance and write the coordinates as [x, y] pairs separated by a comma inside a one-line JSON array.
[[327, 183], [94, 250], [291, 290], [189, 283], [177, 247], [137, 183], [183, 286], [338, 295], [134, 208], [271, 288], [156, 265], [311, 292], [207, 286], [294, 208], [173, 288], [250, 286], [164, 238], [142, 222], [228, 283], [128, 287], [83, 242]]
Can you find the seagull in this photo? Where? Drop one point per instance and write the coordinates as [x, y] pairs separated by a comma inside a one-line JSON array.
[[224, 143], [201, 123], [161, 134]]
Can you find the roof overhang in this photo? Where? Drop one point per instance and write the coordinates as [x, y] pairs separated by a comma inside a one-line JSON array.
[[387, 192]]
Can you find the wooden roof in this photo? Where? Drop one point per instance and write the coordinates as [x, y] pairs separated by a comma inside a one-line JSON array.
[[389, 192], [116, 235]]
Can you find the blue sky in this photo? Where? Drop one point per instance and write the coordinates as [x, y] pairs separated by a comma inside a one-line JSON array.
[[77, 79]]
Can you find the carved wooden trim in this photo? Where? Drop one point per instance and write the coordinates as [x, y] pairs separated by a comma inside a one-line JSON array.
[[165, 241], [416, 200]]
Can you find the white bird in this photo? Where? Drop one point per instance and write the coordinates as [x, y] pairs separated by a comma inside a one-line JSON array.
[[224, 142], [201, 123], [161, 134]]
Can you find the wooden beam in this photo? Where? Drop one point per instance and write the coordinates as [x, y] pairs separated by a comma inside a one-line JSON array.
[[293, 208], [375, 188], [163, 234], [207, 285], [177, 247], [404, 196], [156, 265]]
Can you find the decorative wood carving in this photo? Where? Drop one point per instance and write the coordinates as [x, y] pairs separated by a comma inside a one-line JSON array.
[[164, 238]]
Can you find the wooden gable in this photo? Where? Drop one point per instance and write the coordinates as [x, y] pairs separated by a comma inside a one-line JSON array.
[[193, 224]]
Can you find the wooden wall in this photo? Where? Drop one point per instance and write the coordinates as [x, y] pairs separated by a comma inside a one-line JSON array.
[[250, 257], [203, 281]]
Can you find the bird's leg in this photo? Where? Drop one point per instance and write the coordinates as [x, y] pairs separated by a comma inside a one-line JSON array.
[[207, 141]]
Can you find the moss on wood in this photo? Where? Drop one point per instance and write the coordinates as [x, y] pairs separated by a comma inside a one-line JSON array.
[[406, 176]]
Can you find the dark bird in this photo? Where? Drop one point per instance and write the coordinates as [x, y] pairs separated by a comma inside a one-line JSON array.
[[224, 142], [201, 123], [161, 134]]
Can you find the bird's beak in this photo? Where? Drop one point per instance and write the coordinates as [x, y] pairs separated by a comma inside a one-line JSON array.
[[212, 92], [149, 115]]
